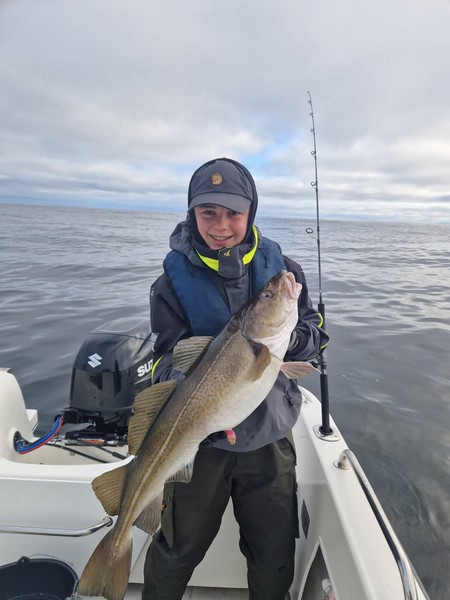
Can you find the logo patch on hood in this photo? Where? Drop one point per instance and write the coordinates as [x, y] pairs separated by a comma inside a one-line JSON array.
[[216, 178]]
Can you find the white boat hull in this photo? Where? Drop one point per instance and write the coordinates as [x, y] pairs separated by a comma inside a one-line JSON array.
[[46, 503]]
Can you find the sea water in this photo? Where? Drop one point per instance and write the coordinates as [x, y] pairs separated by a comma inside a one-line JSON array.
[[386, 287]]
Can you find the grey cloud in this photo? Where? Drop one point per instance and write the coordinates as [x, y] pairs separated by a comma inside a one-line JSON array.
[[110, 101]]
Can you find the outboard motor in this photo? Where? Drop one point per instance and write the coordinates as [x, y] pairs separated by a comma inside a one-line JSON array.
[[112, 366]]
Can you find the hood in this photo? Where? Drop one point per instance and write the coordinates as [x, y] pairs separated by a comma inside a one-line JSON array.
[[234, 179]]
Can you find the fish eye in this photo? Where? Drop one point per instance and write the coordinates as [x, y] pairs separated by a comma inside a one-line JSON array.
[[265, 295]]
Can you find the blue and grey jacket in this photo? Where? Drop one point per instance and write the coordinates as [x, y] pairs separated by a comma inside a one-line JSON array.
[[197, 295]]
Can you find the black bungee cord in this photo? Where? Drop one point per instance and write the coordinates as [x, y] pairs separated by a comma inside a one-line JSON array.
[[325, 428]]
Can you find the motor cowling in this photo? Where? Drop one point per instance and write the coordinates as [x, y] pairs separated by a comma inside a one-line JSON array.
[[112, 366]]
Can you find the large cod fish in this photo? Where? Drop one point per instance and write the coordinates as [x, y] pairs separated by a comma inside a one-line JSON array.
[[226, 379]]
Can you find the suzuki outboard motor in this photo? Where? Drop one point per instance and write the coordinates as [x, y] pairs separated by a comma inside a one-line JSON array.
[[112, 366]]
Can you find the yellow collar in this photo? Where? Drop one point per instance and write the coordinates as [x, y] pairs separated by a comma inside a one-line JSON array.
[[213, 263]]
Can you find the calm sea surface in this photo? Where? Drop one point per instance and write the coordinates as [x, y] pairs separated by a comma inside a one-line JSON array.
[[65, 271]]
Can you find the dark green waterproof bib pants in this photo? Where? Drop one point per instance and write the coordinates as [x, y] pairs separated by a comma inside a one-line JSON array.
[[262, 486]]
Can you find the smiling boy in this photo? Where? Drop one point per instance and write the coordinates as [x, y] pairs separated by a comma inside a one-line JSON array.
[[218, 261], [221, 227]]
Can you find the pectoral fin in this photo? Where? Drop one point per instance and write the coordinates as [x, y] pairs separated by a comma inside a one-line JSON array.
[[295, 370], [263, 359]]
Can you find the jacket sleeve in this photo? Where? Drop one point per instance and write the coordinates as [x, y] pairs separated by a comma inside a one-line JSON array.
[[308, 338], [168, 326]]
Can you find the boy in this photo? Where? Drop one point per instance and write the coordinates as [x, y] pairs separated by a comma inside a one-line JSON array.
[[219, 260]]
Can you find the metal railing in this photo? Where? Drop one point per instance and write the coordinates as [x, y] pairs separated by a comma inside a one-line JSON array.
[[404, 566], [105, 522]]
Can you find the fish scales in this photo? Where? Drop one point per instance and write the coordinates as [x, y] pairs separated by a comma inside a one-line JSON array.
[[229, 380], [195, 411]]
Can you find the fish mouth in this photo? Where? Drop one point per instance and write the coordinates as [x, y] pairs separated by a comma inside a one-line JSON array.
[[291, 287]]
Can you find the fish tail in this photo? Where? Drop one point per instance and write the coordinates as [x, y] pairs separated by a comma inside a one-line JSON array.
[[107, 571]]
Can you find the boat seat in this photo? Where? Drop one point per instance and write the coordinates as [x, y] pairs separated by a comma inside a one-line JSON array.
[[19, 419]]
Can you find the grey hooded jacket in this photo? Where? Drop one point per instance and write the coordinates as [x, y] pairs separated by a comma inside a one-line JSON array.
[[276, 416]]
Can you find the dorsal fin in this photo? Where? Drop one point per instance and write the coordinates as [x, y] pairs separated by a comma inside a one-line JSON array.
[[146, 407], [188, 351], [108, 488]]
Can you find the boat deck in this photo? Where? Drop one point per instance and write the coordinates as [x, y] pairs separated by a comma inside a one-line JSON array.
[[195, 593], [198, 593]]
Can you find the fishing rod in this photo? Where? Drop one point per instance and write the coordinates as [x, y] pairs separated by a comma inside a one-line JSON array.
[[325, 428]]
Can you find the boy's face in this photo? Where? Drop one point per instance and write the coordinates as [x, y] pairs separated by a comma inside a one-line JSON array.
[[221, 227]]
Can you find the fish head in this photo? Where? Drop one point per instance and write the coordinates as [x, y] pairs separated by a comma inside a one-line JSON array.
[[270, 317]]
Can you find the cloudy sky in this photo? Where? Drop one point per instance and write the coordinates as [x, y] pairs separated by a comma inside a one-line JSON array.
[[115, 103]]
